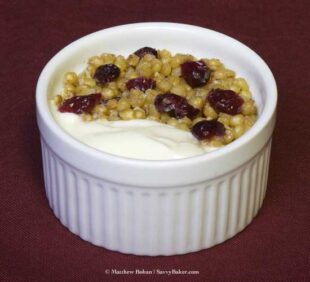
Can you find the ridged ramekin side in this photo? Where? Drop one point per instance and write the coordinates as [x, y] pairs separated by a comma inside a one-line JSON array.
[[155, 221]]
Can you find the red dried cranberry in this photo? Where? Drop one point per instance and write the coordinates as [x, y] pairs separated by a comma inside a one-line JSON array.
[[207, 129], [80, 104], [106, 73], [225, 101], [141, 83], [175, 106], [146, 50], [196, 74]]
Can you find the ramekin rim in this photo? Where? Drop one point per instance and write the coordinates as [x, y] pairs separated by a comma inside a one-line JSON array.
[[266, 115]]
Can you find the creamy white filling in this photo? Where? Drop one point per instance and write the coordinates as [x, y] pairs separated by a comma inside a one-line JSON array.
[[138, 139]]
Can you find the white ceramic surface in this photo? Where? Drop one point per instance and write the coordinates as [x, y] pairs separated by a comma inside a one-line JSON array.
[[157, 207]]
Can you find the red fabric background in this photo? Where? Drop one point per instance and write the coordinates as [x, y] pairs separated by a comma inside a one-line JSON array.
[[34, 246]]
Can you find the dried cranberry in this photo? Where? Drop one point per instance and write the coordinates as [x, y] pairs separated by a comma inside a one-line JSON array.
[[175, 106], [80, 104], [141, 83], [207, 129], [225, 101], [196, 74], [146, 50], [106, 73]]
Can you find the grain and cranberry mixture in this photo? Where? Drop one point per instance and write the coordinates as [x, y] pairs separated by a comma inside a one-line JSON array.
[[201, 96]]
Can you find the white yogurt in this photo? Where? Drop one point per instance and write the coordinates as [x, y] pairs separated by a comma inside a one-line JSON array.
[[139, 139]]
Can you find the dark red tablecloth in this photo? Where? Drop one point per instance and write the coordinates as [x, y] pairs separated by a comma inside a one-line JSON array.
[[34, 246]]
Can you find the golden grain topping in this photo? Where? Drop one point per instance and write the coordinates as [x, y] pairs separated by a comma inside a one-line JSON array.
[[197, 95]]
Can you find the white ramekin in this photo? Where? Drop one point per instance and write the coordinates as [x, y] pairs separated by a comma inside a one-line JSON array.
[[157, 207]]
